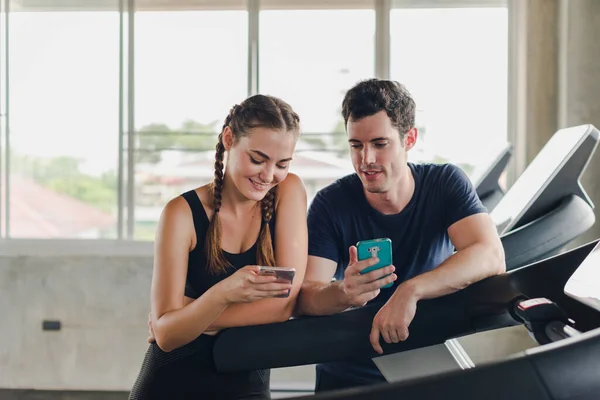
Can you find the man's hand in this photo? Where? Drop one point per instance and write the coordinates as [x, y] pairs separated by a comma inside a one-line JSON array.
[[360, 289], [393, 319]]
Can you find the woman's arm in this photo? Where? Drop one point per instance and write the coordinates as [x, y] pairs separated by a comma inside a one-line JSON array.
[[291, 250], [174, 323]]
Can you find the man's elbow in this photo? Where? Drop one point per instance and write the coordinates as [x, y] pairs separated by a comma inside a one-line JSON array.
[[497, 261]]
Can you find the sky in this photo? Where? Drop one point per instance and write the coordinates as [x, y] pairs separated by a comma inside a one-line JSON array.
[[64, 82]]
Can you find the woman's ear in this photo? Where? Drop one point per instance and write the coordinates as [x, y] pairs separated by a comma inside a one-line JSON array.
[[227, 138]]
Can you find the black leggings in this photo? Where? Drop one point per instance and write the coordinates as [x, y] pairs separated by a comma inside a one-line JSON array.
[[189, 373]]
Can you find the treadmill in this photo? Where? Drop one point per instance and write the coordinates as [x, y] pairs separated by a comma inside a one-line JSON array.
[[486, 179], [544, 210], [562, 313], [557, 299]]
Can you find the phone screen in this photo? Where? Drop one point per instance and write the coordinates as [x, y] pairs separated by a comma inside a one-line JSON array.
[[283, 275], [380, 248]]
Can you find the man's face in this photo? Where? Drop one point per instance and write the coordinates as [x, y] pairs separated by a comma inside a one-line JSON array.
[[378, 154]]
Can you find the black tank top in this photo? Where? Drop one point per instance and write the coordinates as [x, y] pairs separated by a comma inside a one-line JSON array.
[[199, 279]]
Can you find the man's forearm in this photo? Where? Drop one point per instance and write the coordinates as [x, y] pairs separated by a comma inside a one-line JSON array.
[[462, 269], [317, 298]]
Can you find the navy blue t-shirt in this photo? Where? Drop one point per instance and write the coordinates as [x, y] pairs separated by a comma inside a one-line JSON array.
[[340, 216]]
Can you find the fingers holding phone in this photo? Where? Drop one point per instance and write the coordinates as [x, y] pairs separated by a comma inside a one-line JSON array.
[[368, 271], [282, 275], [249, 284]]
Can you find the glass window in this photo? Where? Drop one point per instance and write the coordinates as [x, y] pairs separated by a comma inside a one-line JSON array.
[[63, 96], [454, 62], [310, 58], [190, 69]]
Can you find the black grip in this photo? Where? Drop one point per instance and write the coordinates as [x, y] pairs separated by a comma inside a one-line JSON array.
[[344, 336]]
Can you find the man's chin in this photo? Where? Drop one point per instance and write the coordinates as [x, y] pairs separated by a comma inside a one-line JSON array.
[[375, 188]]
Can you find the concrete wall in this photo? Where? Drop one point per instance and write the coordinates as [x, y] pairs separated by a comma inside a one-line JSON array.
[[100, 292], [102, 303]]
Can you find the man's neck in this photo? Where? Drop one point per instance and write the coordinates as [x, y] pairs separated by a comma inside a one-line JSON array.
[[397, 198]]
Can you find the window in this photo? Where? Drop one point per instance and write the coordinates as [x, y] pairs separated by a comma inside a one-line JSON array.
[[63, 123], [454, 62], [190, 69], [310, 58], [69, 139]]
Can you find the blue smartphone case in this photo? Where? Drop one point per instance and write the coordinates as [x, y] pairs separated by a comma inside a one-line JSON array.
[[381, 248]]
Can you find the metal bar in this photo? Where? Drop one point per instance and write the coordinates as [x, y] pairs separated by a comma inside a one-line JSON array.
[[7, 122], [459, 354], [253, 14], [517, 93], [382, 39], [563, 61], [120, 166], [131, 122], [2, 122]]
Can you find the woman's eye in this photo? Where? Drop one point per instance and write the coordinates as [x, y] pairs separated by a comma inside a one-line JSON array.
[[255, 161]]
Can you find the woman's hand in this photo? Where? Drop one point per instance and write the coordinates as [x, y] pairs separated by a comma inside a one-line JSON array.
[[246, 285]]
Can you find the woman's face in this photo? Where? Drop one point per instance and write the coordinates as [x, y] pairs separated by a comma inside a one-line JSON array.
[[258, 161]]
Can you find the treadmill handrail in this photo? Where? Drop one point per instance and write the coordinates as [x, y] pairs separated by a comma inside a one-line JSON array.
[[482, 306], [311, 340]]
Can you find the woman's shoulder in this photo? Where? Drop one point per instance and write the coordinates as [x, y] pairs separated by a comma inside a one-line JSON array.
[[182, 206], [291, 189]]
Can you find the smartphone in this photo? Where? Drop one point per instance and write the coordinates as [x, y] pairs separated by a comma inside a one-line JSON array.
[[381, 248], [283, 275]]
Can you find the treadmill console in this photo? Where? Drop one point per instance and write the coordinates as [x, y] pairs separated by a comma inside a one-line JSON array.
[[530, 188]]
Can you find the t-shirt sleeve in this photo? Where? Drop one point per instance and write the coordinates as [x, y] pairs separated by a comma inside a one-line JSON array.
[[461, 199], [321, 229]]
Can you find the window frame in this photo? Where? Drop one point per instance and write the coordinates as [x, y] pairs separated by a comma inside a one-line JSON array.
[[125, 243]]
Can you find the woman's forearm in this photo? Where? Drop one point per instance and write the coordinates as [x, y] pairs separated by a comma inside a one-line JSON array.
[[179, 327]]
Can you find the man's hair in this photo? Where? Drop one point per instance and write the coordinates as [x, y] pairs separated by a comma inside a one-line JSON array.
[[371, 96]]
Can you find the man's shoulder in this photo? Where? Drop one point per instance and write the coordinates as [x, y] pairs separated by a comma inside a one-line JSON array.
[[340, 189], [436, 172], [334, 201]]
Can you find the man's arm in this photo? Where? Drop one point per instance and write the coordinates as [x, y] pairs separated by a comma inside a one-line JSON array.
[[320, 296], [479, 255]]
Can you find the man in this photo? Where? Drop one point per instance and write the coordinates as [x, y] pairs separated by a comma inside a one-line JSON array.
[[428, 211]]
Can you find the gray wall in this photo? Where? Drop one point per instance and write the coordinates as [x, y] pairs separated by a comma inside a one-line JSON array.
[[102, 302]]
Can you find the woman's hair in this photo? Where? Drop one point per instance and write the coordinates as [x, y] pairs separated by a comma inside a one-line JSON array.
[[258, 111]]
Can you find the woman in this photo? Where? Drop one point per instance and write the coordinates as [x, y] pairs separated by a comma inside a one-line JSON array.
[[208, 246]]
